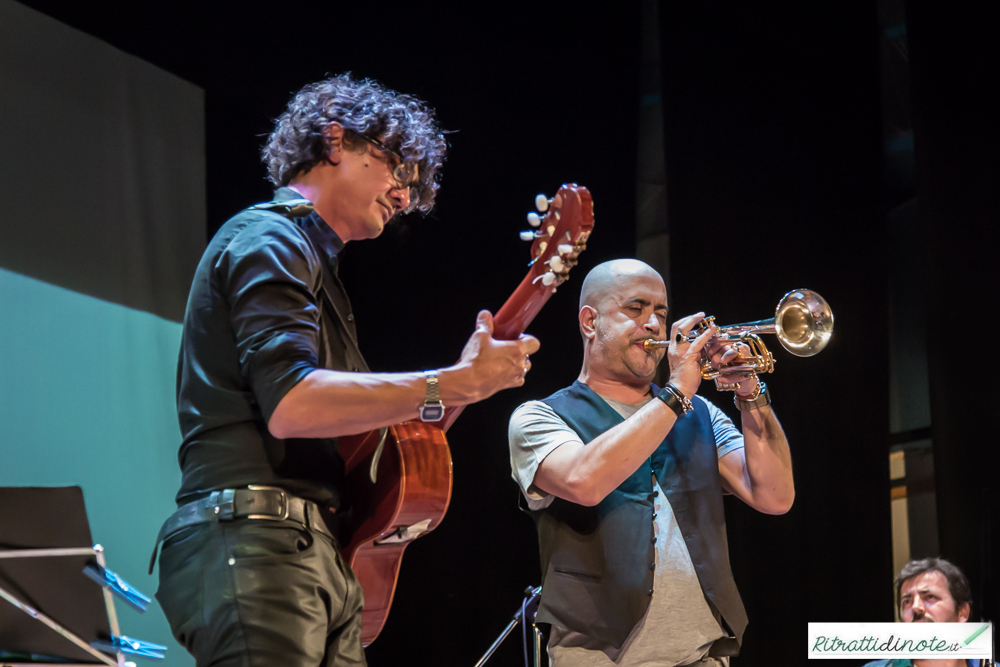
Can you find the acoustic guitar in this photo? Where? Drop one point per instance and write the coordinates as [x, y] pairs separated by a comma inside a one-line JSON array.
[[399, 478]]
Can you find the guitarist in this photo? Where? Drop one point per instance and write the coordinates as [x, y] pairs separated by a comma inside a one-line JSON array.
[[270, 375]]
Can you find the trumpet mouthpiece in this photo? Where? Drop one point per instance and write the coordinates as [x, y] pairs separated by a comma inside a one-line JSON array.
[[650, 344]]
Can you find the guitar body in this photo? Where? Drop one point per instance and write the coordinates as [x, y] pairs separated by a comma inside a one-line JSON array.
[[400, 484], [412, 489]]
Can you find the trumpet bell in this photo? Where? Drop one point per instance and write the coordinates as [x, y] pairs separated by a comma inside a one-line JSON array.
[[803, 322]]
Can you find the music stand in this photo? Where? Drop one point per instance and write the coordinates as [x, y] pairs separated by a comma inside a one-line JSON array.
[[524, 615], [48, 566]]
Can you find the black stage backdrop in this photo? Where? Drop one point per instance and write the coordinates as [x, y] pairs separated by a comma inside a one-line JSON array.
[[773, 152], [957, 143], [773, 133]]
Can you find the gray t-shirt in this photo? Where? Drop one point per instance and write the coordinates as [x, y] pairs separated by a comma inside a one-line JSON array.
[[678, 627]]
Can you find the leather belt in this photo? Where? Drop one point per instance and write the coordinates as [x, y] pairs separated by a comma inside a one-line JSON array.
[[265, 503]]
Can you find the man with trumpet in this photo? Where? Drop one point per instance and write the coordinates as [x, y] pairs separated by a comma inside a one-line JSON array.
[[625, 483]]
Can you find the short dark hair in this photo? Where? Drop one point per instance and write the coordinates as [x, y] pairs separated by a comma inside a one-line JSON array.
[[958, 585], [363, 107]]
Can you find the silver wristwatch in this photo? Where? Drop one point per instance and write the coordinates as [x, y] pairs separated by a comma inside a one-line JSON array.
[[433, 409]]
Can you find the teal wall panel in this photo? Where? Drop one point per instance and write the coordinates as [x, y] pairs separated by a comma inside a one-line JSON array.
[[87, 399]]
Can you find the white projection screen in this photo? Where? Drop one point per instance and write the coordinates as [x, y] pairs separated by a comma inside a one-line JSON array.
[[102, 222]]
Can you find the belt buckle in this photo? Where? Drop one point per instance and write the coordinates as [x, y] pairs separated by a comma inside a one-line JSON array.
[[284, 504], [223, 504]]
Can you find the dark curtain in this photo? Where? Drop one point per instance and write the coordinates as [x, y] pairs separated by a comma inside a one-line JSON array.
[[773, 154], [954, 64]]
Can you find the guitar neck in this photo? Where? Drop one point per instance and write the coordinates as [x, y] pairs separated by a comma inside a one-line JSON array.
[[516, 314], [557, 244], [511, 321]]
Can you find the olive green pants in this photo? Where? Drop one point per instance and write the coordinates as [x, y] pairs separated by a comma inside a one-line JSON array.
[[251, 593]]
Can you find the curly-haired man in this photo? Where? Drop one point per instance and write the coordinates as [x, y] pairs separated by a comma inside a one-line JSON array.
[[270, 375]]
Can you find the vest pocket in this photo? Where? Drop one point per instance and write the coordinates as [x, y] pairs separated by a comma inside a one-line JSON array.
[[577, 575]]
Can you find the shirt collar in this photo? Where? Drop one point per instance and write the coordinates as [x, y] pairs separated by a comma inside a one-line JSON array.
[[322, 234]]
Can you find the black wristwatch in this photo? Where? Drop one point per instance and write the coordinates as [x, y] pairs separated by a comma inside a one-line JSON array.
[[433, 409], [759, 400], [675, 400]]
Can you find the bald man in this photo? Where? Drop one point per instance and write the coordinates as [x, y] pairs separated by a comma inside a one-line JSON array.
[[625, 483]]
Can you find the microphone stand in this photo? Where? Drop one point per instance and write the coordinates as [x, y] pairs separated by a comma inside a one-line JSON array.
[[525, 614]]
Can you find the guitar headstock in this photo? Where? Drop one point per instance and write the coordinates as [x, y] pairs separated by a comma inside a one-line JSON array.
[[557, 239], [560, 236]]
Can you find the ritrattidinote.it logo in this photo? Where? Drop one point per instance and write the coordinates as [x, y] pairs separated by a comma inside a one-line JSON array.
[[900, 640]]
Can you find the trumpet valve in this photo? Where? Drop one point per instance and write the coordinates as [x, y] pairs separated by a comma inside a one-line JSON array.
[[704, 325]]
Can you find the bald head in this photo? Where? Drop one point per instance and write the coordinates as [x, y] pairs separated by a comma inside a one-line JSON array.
[[622, 304], [605, 277]]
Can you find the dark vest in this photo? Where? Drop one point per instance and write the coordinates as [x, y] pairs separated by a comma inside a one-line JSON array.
[[596, 561]]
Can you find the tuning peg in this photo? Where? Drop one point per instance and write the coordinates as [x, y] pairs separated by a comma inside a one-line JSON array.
[[550, 230], [542, 246], [533, 219], [528, 236], [557, 264], [557, 201], [564, 248], [541, 203], [547, 278]]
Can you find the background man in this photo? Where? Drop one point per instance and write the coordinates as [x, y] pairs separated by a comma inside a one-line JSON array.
[[625, 483], [270, 375], [931, 590]]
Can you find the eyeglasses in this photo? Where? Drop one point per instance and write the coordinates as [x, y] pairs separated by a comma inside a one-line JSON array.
[[403, 172]]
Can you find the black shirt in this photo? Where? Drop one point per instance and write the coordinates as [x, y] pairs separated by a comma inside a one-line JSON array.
[[266, 308]]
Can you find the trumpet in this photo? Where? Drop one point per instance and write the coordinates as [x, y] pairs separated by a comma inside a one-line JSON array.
[[803, 323]]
